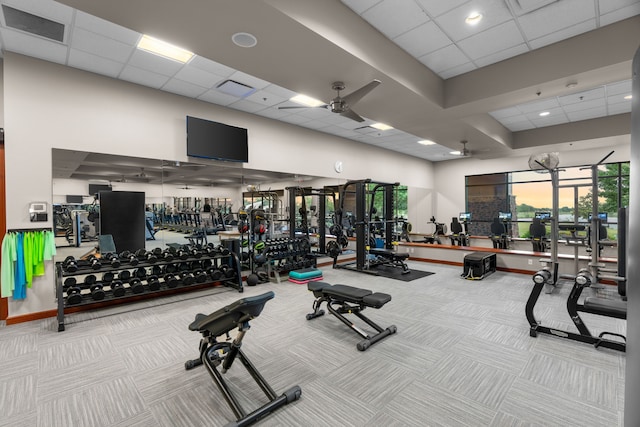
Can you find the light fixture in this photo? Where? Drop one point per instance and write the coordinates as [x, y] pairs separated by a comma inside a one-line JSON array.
[[426, 142], [571, 85], [455, 153], [244, 39], [164, 49], [381, 126], [234, 88], [473, 18], [306, 100], [628, 97], [544, 114]]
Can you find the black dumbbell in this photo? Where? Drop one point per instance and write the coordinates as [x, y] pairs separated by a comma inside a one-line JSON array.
[[153, 282], [129, 257], [124, 275], [107, 277], [112, 259], [180, 253], [97, 292], [69, 282], [140, 272], [136, 286], [90, 279], [227, 271], [201, 276], [206, 263], [156, 270], [94, 262], [215, 274], [166, 256], [74, 295], [187, 278], [224, 251], [146, 256], [70, 264], [117, 288], [170, 268], [171, 280]]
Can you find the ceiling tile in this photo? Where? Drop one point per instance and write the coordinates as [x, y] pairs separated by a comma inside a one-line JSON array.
[[143, 77], [314, 113], [491, 41], [93, 63], [623, 87], [564, 33], [190, 73], [514, 119], [505, 112], [519, 126], [211, 66], [438, 7], [556, 17], [394, 17], [93, 43], [248, 106], [579, 97], [279, 91], [554, 115], [216, 97], [619, 108], [444, 59], [19, 42], [294, 119], [54, 11], [105, 28], [359, 6], [494, 12], [273, 113], [183, 88], [620, 14], [455, 71], [593, 113], [585, 105], [537, 106], [607, 6], [502, 55], [317, 125], [154, 63], [421, 40], [618, 99], [265, 98]]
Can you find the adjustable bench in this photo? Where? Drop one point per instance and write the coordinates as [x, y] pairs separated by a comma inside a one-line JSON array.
[[214, 354], [389, 257], [343, 299]]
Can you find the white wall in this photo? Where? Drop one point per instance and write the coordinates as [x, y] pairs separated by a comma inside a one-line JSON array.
[[52, 106]]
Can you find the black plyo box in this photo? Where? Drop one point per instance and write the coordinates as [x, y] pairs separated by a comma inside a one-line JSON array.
[[477, 265]]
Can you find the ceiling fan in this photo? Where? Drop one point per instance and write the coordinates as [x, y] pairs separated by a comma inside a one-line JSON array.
[[342, 104], [465, 152]]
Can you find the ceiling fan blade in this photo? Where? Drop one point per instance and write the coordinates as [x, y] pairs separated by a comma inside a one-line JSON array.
[[355, 96], [302, 106], [352, 115]]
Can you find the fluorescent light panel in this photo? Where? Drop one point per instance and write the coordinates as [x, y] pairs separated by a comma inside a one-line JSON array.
[[473, 18], [381, 126], [544, 113], [306, 100], [426, 142], [164, 49]]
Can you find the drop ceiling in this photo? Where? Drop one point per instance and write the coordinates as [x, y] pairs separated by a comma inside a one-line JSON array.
[[442, 79]]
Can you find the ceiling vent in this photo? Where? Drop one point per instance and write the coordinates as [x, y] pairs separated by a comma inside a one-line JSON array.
[[33, 24], [522, 7], [234, 88]]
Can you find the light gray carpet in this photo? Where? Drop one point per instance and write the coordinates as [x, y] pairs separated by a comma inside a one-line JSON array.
[[462, 357]]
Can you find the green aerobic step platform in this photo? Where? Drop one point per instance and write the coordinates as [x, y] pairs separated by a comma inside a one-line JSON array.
[[305, 273]]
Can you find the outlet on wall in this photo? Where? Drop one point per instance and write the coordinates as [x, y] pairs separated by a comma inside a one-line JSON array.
[[530, 262]]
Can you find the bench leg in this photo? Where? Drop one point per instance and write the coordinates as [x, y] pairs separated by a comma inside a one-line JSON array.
[[317, 311]]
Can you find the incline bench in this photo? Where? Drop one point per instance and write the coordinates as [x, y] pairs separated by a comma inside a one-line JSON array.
[[343, 299], [214, 354]]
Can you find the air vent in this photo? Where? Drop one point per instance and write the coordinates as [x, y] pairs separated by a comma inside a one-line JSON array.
[[522, 7], [33, 24], [234, 88]]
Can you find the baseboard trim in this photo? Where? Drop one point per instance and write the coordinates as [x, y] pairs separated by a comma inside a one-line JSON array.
[[31, 316]]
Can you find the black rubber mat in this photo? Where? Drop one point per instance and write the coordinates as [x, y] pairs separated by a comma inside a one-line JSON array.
[[396, 273]]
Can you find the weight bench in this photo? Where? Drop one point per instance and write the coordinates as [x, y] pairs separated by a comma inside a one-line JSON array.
[[214, 354], [389, 257], [343, 299]]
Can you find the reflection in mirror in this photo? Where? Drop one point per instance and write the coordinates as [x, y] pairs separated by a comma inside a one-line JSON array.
[[184, 201]]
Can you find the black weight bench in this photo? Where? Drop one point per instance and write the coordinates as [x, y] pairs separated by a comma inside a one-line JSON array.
[[214, 354], [389, 257], [343, 299]]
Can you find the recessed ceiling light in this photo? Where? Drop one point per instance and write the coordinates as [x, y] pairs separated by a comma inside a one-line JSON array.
[[381, 126], [306, 100], [244, 39], [544, 113], [164, 49], [628, 97], [426, 142], [473, 18], [571, 85], [455, 153]]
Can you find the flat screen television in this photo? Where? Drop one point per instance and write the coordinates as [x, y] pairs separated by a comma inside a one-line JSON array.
[[504, 216], [96, 188], [465, 216], [74, 199], [543, 216], [212, 140]]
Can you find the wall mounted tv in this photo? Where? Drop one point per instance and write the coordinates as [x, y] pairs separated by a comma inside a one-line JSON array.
[[213, 140], [96, 188]]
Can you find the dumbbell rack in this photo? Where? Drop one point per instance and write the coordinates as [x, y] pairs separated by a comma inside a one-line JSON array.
[[218, 262], [286, 254]]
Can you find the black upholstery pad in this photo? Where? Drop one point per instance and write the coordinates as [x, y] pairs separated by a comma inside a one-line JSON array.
[[388, 253], [376, 300], [606, 307]]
